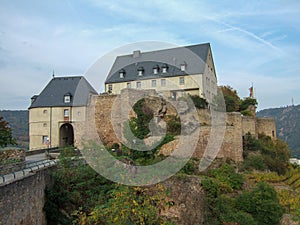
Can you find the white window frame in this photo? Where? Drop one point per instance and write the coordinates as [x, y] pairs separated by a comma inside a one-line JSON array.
[[138, 84], [67, 99], [182, 67], [140, 72], [128, 85], [66, 112]]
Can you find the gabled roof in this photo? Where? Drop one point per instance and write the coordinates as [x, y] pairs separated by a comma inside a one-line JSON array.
[[77, 87], [194, 57]]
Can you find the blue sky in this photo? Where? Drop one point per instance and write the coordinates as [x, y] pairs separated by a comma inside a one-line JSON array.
[[252, 41]]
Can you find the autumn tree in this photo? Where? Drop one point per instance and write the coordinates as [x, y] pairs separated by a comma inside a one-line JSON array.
[[5, 134], [231, 98]]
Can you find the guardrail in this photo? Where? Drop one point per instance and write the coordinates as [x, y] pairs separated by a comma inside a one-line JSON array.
[[39, 151], [30, 167]]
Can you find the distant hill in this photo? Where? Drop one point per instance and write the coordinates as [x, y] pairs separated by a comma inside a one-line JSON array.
[[18, 121], [288, 125]]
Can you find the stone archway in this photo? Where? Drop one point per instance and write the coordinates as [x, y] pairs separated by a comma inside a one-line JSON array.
[[66, 135]]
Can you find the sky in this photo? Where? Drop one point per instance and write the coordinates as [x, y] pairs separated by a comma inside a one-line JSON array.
[[252, 42]]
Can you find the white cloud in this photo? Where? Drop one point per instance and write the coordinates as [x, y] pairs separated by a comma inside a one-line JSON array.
[[248, 38]]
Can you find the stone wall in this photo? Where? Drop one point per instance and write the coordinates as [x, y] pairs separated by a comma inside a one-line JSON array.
[[116, 109], [188, 198], [22, 200], [103, 115], [249, 125], [12, 160], [231, 147], [266, 126]]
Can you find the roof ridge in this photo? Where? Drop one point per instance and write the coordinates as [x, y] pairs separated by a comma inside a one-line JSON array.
[[165, 49]]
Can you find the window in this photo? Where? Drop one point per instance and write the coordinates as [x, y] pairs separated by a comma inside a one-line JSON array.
[[128, 85], [66, 113], [181, 80], [45, 139], [155, 69], [182, 67], [165, 68], [163, 82], [110, 88], [67, 98], [153, 83], [140, 71], [45, 111], [122, 73], [138, 84]]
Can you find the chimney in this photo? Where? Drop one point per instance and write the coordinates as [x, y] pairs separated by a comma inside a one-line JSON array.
[[136, 53]]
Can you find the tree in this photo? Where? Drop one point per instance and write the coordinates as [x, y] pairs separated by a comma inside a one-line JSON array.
[[232, 100], [262, 203], [5, 134], [248, 106]]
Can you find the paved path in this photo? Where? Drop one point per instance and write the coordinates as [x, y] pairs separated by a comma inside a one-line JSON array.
[[33, 163], [37, 157]]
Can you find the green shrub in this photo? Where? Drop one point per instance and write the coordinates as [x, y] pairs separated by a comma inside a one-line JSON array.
[[256, 162], [200, 103], [275, 153], [247, 102], [246, 112], [173, 125], [188, 168], [239, 217], [227, 175], [262, 204]]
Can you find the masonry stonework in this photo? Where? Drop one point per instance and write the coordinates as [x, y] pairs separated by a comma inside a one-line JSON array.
[[111, 111], [266, 126], [22, 201]]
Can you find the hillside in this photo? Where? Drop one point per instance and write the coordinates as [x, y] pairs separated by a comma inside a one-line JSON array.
[[288, 125], [18, 121]]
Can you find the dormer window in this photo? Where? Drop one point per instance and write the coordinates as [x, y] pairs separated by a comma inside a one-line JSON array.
[[155, 69], [67, 98], [165, 68], [122, 73], [140, 71], [183, 67]]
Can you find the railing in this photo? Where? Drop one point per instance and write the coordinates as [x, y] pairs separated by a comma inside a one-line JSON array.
[[39, 151], [30, 167]]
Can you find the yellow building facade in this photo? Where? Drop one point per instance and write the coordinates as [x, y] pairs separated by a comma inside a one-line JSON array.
[[172, 72], [54, 113]]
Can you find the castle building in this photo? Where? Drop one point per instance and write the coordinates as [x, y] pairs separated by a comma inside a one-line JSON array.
[[172, 72], [53, 113]]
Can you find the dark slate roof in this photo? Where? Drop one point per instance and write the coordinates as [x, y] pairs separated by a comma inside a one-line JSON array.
[[53, 94], [194, 57]]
